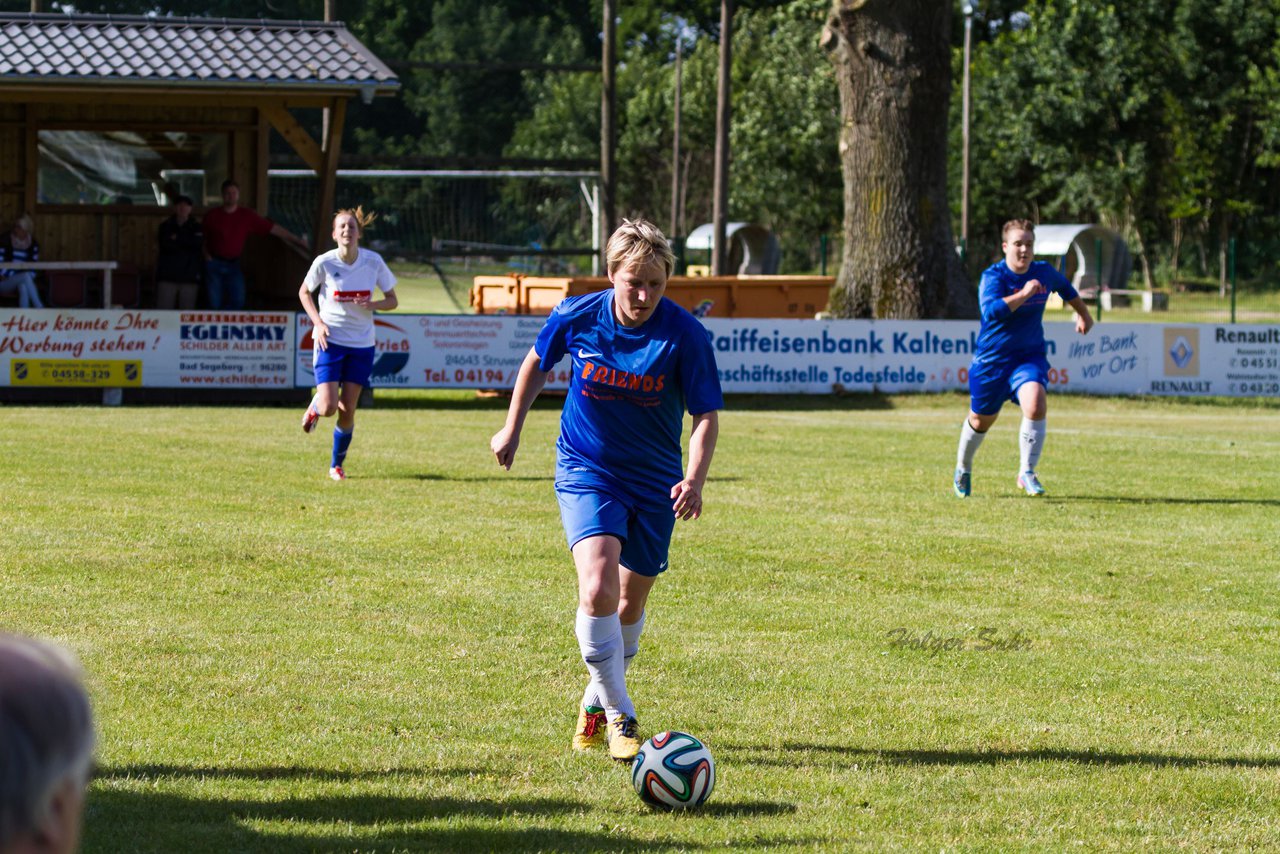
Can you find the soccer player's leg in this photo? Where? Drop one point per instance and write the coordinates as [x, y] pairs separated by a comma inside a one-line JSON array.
[[643, 558], [599, 632], [327, 367], [1029, 380], [595, 527], [988, 387], [357, 367]]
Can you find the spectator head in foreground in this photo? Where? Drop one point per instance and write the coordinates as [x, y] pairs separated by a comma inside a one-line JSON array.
[[46, 747]]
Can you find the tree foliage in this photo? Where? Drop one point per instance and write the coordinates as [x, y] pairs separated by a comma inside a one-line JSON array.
[[1159, 117], [1145, 115]]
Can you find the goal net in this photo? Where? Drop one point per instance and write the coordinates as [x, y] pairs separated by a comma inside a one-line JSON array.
[[531, 221]]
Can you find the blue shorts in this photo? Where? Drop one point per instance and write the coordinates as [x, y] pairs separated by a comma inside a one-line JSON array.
[[992, 383], [343, 364], [645, 532]]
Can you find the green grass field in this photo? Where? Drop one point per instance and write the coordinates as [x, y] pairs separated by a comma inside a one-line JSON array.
[[282, 663]]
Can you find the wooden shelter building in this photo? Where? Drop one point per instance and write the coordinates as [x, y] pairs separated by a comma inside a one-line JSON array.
[[104, 118]]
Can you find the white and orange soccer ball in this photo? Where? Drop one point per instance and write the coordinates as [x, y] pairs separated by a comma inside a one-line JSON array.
[[673, 770]]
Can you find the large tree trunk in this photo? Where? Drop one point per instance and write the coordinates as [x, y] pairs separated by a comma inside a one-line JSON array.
[[893, 67]]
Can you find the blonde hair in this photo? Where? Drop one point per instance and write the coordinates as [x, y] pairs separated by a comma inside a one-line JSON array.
[[637, 243], [25, 223], [363, 220], [1018, 224]]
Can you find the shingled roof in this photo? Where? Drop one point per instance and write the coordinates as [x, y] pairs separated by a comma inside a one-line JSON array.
[[196, 53]]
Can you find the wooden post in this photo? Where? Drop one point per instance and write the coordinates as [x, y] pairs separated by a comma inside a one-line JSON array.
[[330, 15], [260, 189], [964, 131], [608, 135], [328, 175], [719, 253], [31, 159], [675, 145]]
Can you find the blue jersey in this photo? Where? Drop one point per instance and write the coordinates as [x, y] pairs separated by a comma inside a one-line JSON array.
[[629, 390], [1017, 334]]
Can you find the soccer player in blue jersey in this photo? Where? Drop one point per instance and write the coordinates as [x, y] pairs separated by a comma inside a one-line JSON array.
[[639, 362], [1009, 360]]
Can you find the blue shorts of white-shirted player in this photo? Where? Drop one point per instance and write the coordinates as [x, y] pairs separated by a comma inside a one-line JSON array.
[[645, 533], [992, 383], [344, 364]]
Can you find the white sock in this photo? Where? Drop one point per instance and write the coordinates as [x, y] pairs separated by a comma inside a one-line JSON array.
[[970, 439], [600, 640], [1030, 443], [630, 646]]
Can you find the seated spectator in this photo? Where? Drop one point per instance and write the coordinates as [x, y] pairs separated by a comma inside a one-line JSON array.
[[46, 747], [181, 258], [226, 229], [21, 246]]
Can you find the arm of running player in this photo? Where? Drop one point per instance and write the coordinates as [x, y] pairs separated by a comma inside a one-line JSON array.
[[319, 332], [687, 494], [388, 302], [1030, 289], [1084, 320], [529, 382]]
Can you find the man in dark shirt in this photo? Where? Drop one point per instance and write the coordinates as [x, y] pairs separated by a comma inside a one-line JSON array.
[[225, 231], [181, 258]]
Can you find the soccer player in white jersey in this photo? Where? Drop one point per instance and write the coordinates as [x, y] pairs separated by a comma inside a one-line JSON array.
[[639, 363], [342, 281], [1009, 360]]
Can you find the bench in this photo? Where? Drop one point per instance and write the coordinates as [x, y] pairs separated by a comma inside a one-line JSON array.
[[104, 266]]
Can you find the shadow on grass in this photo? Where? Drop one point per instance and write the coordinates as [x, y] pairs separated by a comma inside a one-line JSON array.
[[862, 755], [144, 817], [501, 476], [428, 476], [1162, 499], [119, 820], [456, 401], [744, 809], [288, 772], [807, 402]]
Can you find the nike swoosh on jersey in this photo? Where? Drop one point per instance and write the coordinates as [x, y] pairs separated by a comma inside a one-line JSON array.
[[582, 355]]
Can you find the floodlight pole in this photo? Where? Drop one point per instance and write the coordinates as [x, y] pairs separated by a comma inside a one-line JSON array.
[[719, 254], [964, 131], [675, 143], [608, 134]]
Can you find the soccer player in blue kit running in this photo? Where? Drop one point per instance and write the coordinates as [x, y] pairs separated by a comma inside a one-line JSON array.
[[639, 362], [1009, 360]]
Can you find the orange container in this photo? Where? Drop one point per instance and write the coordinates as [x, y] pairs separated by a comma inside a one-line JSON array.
[[540, 294], [707, 296], [782, 296], [496, 295]]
